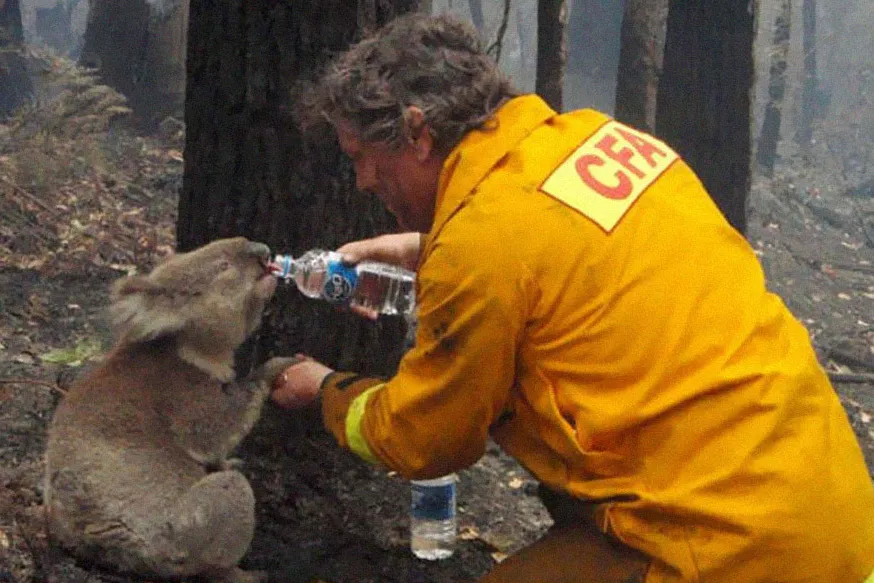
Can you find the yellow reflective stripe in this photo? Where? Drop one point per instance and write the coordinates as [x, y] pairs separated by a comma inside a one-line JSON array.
[[354, 438], [870, 578]]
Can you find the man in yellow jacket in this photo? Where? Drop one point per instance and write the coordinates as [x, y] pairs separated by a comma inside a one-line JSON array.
[[582, 301]]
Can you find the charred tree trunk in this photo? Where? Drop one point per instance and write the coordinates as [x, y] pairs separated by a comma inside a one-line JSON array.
[[703, 108], [551, 51], [769, 138], [139, 50], [809, 110], [640, 62], [15, 85], [249, 172]]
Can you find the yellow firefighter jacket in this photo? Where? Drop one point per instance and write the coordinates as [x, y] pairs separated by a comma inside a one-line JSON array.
[[582, 300]]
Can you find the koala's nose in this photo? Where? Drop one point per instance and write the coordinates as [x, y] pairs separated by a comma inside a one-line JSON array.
[[259, 250]]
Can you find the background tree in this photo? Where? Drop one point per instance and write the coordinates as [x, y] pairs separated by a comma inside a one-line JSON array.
[[139, 48], [476, 14], [809, 109], [551, 51], [640, 62], [766, 151], [248, 170], [703, 108], [15, 85]]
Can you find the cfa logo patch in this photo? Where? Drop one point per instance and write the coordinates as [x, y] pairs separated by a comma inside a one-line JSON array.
[[605, 175]]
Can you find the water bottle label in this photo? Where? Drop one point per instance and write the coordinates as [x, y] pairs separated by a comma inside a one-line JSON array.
[[433, 502], [340, 282]]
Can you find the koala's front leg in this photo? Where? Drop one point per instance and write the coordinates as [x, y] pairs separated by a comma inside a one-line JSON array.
[[258, 388]]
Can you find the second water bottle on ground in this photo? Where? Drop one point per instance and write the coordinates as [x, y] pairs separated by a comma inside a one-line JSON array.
[[433, 525], [384, 288]]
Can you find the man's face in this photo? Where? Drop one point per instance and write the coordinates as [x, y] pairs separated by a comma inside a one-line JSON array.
[[404, 178]]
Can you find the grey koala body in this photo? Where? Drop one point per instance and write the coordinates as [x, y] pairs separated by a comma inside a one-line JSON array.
[[137, 471]]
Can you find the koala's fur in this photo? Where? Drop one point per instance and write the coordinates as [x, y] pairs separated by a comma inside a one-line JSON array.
[[137, 471]]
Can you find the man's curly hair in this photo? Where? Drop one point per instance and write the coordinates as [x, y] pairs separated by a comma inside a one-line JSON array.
[[436, 63]]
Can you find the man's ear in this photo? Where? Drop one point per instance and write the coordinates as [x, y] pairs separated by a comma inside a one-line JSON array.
[[418, 133]]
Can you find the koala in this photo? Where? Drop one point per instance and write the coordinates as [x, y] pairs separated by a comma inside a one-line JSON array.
[[138, 476]]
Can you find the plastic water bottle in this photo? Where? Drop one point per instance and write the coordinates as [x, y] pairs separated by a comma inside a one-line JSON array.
[[433, 526], [384, 288]]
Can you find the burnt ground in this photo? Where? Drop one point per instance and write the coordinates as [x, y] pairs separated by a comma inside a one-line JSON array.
[[87, 202]]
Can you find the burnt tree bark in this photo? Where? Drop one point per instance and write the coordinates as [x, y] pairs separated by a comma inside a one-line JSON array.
[[769, 138], [640, 62], [139, 49], [809, 109], [703, 108], [248, 171], [551, 51], [15, 85]]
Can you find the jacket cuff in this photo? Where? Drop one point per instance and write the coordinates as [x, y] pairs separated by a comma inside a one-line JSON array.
[[338, 391]]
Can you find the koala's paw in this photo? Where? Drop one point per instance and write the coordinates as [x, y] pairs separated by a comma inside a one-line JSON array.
[[274, 367]]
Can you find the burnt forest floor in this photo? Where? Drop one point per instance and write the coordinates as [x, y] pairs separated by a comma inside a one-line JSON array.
[[85, 200]]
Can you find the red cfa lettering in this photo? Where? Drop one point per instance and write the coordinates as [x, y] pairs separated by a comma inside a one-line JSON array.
[[613, 149]]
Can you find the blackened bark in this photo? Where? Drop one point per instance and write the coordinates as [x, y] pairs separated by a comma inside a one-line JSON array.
[[640, 62], [551, 51], [249, 172], [15, 85], [769, 138], [703, 108]]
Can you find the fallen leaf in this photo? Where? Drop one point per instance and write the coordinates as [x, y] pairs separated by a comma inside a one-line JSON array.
[[469, 533], [85, 349], [843, 296], [516, 483], [499, 557]]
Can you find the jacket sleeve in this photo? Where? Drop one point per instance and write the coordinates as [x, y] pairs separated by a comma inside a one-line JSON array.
[[433, 416]]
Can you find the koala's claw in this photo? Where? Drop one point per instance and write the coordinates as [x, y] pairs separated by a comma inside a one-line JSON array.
[[274, 367]]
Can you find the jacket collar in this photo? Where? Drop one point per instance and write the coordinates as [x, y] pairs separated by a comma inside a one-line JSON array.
[[480, 150]]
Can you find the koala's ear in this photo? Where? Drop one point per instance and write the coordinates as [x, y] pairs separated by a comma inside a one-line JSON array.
[[139, 314]]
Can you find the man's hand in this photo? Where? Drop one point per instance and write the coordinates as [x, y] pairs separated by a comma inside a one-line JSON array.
[[299, 384], [400, 249]]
